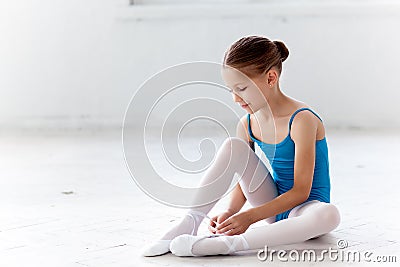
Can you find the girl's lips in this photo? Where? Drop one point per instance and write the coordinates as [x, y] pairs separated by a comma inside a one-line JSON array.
[[245, 105]]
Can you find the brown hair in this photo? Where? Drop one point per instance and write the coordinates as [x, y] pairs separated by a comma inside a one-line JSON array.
[[255, 55]]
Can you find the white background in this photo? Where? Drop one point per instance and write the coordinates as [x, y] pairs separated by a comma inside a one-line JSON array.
[[76, 64]]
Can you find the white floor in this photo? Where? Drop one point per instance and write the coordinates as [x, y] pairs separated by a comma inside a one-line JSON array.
[[67, 199]]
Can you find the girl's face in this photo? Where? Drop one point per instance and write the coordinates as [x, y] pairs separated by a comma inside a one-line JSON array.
[[248, 93]]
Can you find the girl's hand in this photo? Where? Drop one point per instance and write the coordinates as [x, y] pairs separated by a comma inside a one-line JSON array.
[[216, 220], [236, 224]]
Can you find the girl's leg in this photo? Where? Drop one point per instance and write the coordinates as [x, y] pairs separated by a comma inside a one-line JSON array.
[[308, 221], [234, 156], [312, 220]]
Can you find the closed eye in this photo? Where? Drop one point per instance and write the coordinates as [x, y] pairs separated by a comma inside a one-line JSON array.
[[238, 89]]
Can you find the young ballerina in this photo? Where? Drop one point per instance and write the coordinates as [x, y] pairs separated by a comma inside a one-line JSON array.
[[295, 199]]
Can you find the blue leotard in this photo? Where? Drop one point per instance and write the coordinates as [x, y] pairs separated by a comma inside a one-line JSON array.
[[281, 158]]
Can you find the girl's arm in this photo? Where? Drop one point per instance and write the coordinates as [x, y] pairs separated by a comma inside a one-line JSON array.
[[303, 133]]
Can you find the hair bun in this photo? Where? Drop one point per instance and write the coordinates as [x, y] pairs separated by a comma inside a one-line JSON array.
[[283, 50]]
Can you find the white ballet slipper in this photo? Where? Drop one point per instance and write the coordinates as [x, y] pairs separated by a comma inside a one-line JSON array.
[[182, 245], [158, 248], [161, 247]]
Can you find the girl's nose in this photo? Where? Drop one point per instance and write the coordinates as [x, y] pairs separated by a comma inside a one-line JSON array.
[[236, 98]]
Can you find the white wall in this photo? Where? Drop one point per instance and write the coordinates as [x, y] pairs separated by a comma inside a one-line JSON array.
[[74, 63]]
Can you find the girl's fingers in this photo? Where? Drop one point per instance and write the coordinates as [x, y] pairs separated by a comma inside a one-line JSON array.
[[211, 229], [232, 232], [235, 231], [221, 219], [225, 229], [214, 219], [223, 224], [212, 224]]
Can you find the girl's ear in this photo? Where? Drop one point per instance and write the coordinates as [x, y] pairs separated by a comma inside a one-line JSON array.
[[272, 76]]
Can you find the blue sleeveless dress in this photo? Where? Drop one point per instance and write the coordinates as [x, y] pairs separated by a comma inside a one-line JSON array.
[[281, 158]]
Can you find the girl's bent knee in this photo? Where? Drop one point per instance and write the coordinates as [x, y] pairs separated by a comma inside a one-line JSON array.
[[234, 139], [234, 143], [329, 215]]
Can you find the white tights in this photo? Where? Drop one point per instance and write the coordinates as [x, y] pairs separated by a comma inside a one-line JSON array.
[[305, 221]]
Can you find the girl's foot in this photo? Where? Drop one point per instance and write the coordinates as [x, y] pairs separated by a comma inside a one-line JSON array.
[[187, 245], [188, 225]]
